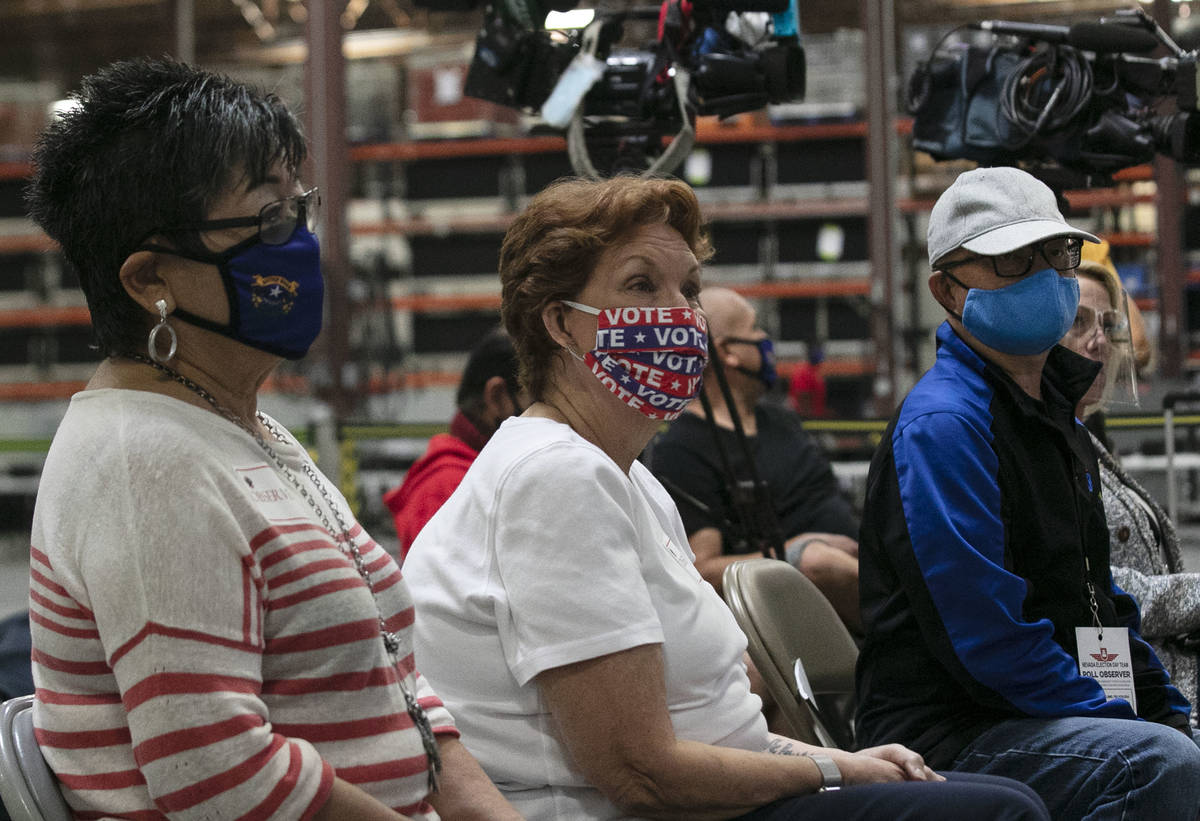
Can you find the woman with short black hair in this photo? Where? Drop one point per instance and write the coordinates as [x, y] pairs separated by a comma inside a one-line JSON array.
[[214, 635]]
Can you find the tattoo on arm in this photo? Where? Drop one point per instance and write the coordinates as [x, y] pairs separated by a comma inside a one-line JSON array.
[[778, 745]]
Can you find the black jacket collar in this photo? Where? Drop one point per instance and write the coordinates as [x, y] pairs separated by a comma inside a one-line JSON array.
[[1065, 378]]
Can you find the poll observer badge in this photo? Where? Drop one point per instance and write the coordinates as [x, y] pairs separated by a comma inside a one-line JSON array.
[[1104, 655]]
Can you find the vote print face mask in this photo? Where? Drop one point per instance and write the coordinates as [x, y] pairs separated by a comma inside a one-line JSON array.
[[649, 358]]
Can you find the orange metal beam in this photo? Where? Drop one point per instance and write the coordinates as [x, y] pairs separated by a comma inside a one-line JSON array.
[[42, 317], [38, 391], [26, 243]]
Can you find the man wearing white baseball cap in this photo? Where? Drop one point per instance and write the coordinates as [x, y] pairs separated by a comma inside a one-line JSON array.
[[996, 641]]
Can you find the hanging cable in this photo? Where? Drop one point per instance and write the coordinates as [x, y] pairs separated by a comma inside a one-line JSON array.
[[1047, 90]]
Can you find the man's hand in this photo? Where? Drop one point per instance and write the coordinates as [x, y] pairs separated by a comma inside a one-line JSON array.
[[891, 762], [908, 763], [830, 561], [837, 541]]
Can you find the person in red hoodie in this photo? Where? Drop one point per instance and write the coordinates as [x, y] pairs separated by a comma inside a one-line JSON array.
[[487, 395], [806, 391]]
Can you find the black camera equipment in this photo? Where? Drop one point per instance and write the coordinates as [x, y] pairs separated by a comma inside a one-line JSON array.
[[1073, 104], [634, 109], [754, 525], [526, 12], [513, 65]]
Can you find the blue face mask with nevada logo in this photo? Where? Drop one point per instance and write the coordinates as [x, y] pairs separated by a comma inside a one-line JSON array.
[[275, 292]]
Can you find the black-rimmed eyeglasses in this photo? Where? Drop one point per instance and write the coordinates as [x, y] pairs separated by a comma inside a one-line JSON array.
[[1059, 253], [275, 221]]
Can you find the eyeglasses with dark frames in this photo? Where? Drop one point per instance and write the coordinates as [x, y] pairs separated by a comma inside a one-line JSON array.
[[275, 221], [1059, 253]]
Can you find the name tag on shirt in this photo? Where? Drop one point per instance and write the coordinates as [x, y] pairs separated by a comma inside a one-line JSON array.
[[675, 552], [272, 496], [1105, 657]]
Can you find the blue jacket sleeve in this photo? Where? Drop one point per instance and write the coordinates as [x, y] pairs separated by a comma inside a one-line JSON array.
[[947, 472]]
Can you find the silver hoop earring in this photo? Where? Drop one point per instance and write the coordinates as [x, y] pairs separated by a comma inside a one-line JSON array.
[[163, 325]]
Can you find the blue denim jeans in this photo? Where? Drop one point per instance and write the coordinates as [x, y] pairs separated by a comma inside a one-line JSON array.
[[961, 796], [1094, 769]]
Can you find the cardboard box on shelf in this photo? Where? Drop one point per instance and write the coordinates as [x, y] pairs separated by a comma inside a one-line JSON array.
[[437, 108]]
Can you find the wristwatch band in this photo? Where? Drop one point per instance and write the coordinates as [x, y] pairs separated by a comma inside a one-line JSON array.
[[831, 776]]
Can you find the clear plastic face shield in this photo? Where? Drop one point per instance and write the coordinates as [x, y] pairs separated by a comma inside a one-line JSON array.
[[1101, 332]]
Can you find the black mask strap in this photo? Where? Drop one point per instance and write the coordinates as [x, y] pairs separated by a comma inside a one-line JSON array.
[[960, 284], [954, 279], [220, 260], [209, 257]]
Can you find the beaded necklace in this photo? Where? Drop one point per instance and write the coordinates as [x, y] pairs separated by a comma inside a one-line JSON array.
[[391, 641]]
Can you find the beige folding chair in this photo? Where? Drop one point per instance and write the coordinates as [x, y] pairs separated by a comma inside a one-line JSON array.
[[800, 646], [27, 786]]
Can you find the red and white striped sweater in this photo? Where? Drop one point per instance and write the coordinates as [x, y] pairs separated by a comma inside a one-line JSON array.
[[202, 646]]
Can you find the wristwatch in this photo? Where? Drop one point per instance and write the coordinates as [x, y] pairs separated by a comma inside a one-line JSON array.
[[831, 776]]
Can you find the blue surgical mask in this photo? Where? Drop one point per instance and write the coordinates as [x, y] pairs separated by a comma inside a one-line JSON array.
[[1028, 317], [275, 293]]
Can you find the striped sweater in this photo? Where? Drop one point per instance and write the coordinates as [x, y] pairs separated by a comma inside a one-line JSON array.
[[202, 647]]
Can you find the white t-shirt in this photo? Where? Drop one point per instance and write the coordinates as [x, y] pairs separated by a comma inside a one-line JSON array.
[[548, 554]]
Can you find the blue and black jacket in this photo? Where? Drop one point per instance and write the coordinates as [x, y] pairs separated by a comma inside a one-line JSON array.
[[982, 523]]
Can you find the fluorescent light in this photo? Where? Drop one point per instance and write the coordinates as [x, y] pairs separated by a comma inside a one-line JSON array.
[[58, 108], [573, 19], [356, 45]]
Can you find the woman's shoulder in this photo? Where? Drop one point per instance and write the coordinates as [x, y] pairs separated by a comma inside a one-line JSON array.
[[649, 486], [102, 403], [522, 441], [141, 458], [131, 427], [542, 454]]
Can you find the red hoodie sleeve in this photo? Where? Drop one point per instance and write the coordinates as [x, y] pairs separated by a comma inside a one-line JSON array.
[[427, 486]]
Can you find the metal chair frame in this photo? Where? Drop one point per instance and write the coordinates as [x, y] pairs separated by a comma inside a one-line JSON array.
[[27, 785], [801, 648]]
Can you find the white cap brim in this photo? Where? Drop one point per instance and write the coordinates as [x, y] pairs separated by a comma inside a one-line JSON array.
[[1019, 234]]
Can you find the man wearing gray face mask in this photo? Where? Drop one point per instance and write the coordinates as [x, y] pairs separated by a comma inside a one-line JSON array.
[[995, 639]]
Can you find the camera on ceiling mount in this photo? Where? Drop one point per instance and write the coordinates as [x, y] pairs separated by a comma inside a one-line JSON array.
[[634, 109], [1072, 104]]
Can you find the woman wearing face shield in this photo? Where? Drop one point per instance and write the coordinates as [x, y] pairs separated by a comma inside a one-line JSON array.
[[214, 635], [1146, 559], [561, 615]]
